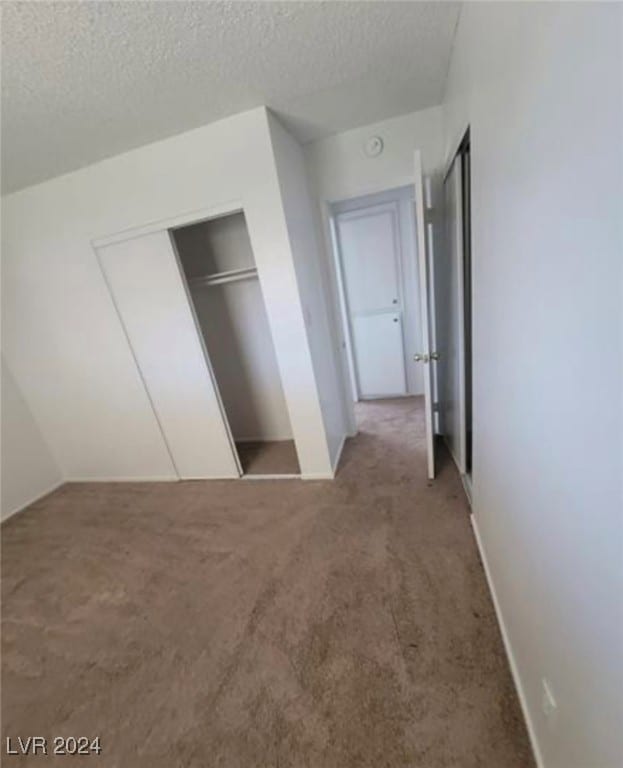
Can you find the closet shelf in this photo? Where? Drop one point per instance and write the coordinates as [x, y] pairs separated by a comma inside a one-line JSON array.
[[225, 277]]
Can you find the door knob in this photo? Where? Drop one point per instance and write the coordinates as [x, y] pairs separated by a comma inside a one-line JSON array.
[[434, 356], [421, 358]]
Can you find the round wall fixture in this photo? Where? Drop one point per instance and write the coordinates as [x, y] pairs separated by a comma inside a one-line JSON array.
[[373, 146]]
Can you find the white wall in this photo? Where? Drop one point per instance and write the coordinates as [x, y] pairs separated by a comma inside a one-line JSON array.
[[62, 336], [29, 469], [319, 314], [339, 168], [541, 86]]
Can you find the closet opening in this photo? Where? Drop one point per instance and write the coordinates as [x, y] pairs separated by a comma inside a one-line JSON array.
[[217, 262]]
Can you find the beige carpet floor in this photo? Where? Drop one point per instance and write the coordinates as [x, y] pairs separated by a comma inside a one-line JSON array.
[[281, 624], [270, 457]]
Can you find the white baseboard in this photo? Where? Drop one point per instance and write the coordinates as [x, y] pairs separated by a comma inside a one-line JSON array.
[[140, 479], [34, 499], [206, 479], [467, 487], [318, 476], [264, 439], [509, 650], [452, 455], [270, 477]]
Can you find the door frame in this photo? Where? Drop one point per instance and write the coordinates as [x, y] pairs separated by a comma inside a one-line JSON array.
[[398, 266], [400, 197], [328, 252]]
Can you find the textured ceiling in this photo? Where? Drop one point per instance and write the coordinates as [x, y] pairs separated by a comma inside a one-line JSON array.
[[86, 80]]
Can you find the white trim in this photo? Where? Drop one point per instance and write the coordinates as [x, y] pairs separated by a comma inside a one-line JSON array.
[[171, 222], [372, 189], [330, 253], [139, 479], [338, 455], [452, 456], [451, 156], [318, 476], [467, 487], [270, 477], [264, 439], [398, 201], [207, 478], [34, 500], [367, 210], [508, 648]]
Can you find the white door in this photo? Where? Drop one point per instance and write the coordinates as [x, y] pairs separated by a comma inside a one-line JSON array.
[[450, 340], [369, 248], [148, 292], [425, 258]]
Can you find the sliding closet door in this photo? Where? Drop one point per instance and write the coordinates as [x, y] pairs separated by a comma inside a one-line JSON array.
[[451, 340], [147, 288]]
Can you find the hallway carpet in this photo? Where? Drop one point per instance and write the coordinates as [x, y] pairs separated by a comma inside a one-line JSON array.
[[262, 624]]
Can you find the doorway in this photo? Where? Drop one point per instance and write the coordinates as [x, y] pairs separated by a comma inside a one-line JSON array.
[[376, 265], [217, 262]]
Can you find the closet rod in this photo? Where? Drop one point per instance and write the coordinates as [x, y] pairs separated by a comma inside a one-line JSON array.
[[225, 277]]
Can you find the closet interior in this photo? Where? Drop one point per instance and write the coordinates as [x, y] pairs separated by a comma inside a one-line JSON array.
[[218, 263]]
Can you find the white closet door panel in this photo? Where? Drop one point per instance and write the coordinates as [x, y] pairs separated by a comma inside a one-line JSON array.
[[151, 299], [379, 353], [369, 243]]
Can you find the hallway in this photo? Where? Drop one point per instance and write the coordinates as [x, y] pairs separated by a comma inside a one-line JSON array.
[[265, 623]]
